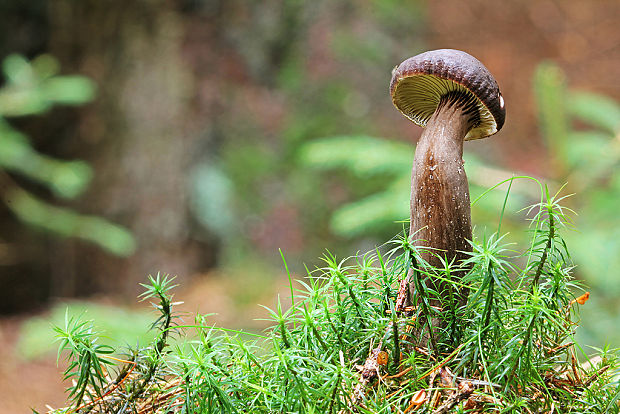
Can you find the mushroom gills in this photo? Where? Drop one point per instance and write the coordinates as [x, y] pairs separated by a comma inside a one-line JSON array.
[[418, 97]]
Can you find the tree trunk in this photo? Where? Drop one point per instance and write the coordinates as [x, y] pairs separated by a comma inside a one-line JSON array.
[[141, 142]]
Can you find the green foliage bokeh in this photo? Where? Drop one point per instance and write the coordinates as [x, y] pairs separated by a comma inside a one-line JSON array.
[[33, 88]]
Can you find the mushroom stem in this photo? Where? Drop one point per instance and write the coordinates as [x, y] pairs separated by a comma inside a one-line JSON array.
[[440, 205]]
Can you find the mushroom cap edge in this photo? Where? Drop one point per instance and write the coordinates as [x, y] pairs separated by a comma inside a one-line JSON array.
[[419, 82]]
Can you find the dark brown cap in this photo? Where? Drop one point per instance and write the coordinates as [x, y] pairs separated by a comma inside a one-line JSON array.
[[419, 83]]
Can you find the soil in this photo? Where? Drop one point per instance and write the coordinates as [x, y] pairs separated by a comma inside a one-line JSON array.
[[26, 384]]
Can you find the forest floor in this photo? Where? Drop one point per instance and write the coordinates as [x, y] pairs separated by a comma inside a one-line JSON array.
[[26, 384], [34, 383]]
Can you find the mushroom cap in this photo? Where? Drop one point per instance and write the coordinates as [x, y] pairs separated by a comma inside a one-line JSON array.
[[419, 83]]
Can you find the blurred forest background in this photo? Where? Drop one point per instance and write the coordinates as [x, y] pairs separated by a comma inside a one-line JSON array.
[[198, 137]]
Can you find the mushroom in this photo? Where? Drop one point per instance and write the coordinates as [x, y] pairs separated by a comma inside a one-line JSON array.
[[456, 99]]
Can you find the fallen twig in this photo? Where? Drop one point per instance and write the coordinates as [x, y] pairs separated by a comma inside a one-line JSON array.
[[595, 375], [463, 391]]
